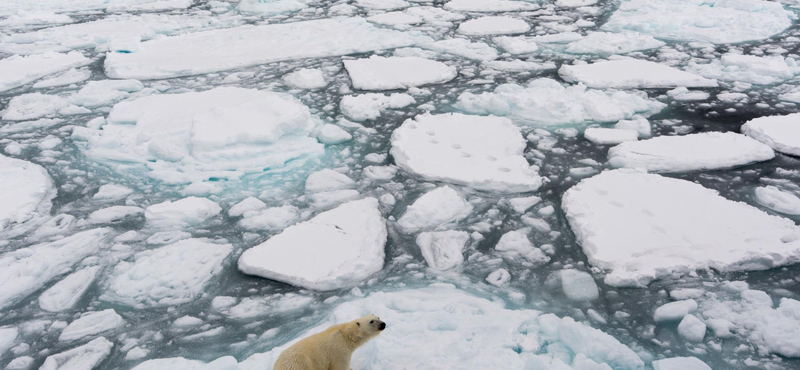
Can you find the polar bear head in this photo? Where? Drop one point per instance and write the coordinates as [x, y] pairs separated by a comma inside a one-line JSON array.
[[370, 325]]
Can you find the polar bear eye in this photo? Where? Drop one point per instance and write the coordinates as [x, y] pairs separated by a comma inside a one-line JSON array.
[[371, 321]]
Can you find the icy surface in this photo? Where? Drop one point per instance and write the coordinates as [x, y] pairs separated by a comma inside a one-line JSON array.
[[631, 74], [716, 21], [25, 190], [335, 249], [91, 324], [252, 45], [443, 250], [547, 102], [85, 357], [188, 137], [183, 212], [370, 106], [778, 200], [610, 135], [495, 25], [67, 292], [488, 5], [479, 152], [17, 70], [439, 206], [781, 133], [749, 69], [167, 276], [694, 152], [306, 79], [680, 363], [378, 73], [641, 237], [611, 43]]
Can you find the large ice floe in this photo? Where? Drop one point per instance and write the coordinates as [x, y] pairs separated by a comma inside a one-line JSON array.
[[643, 227], [631, 74], [225, 132], [26, 189], [546, 102], [605, 43], [441, 206], [781, 133], [693, 152], [61, 6], [379, 73], [18, 70], [715, 21], [166, 276], [245, 46], [27, 270], [748, 69], [480, 152], [335, 249], [453, 329]]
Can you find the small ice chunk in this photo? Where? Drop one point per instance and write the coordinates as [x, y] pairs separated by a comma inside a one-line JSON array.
[[270, 8], [8, 335], [92, 324], [631, 74], [499, 277], [489, 6], [105, 92], [781, 133], [336, 249], [683, 94], [516, 243], [16, 71], [395, 19], [516, 44], [605, 136], [183, 212], [680, 363], [327, 180], [483, 153], [442, 205], [493, 25], [605, 43], [382, 4], [675, 311], [332, 135], [520, 205], [26, 189], [639, 124], [246, 205], [443, 250], [66, 293], [778, 200], [686, 293], [578, 285], [85, 357], [114, 214], [694, 152], [112, 192], [575, 3], [465, 48], [187, 321], [381, 73], [305, 78], [20, 363], [32, 106], [692, 329], [167, 276], [370, 106], [271, 219]]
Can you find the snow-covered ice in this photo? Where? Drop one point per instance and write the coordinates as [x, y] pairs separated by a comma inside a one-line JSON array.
[[244, 46], [91, 324], [692, 329], [752, 69], [370, 106], [693, 152], [605, 136], [442, 205], [493, 25], [379, 73], [100, 93], [489, 6], [781, 133], [182, 138], [183, 212], [85, 357], [577, 285], [778, 200], [443, 250], [680, 363], [675, 311], [171, 275], [647, 226], [306, 79], [631, 74], [114, 214], [18, 70], [545, 101], [605, 43], [270, 8], [335, 249], [479, 152], [516, 243], [26, 189], [66, 293], [714, 21], [32, 106]]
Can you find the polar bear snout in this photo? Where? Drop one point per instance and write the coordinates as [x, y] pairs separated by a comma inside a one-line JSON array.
[[381, 325]]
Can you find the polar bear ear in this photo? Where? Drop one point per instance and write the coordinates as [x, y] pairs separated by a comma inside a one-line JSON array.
[[358, 323]]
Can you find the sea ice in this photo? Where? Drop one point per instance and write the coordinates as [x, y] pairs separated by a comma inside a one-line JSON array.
[[442, 205], [331, 135], [370, 106], [26, 189], [105, 92], [379, 73], [545, 101], [483, 153], [68, 77], [715, 21], [578, 285], [35, 105], [443, 250], [25, 270], [462, 47], [683, 94], [382, 4], [171, 275], [489, 6], [85, 357], [252, 45], [306, 79], [516, 44], [335, 249], [60, 6], [605, 43], [17, 70], [327, 180], [752, 69], [516, 244], [270, 8], [680, 363], [91, 324], [646, 226], [66, 293], [493, 25], [114, 214], [675, 311], [693, 152], [8, 335], [692, 329], [631, 74], [606, 136], [778, 200], [246, 205], [270, 219], [190, 137], [395, 18], [183, 212], [112, 192], [781, 133]]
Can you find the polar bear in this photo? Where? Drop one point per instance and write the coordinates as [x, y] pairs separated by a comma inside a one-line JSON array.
[[332, 348]]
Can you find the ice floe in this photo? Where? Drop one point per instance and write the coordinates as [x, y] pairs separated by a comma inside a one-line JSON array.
[[606, 136], [680, 363], [188, 211], [17, 70], [516, 44], [576, 285], [306, 79], [370, 106], [379, 73], [693, 152], [335, 249], [646, 226], [781, 133], [85, 357], [251, 45], [171, 275], [605, 43], [443, 250], [778, 200], [752, 69], [489, 6], [480, 152], [516, 243], [114, 214], [270, 8], [26, 189], [61, 6], [545, 101], [26, 270], [91, 324], [631, 74], [715, 21], [465, 48], [224, 132], [100, 93], [35, 105], [493, 25], [437, 207], [66, 293]]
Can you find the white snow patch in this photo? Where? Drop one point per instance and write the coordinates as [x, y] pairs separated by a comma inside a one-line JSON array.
[[183, 212], [17, 71], [380, 73], [443, 250], [439, 206], [778, 200], [66, 293], [92, 324], [493, 25], [605, 43], [370, 106], [606, 136], [631, 74], [305, 78], [781, 133]]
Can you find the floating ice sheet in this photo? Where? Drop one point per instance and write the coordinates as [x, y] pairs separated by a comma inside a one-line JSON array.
[[631, 74], [781, 133], [379, 73], [17, 70], [25, 190]]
